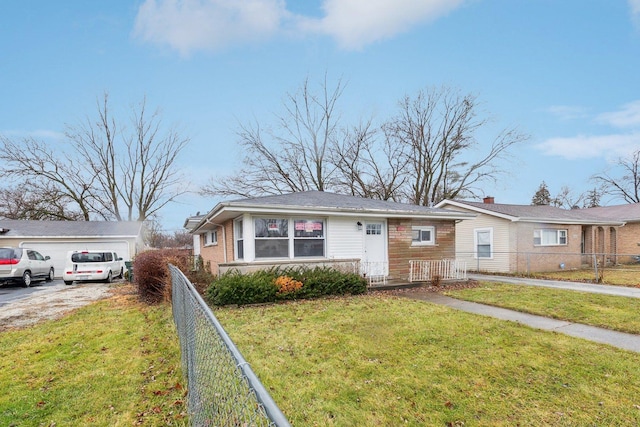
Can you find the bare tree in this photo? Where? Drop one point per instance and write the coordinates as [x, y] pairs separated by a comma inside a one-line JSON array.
[[438, 128], [424, 154], [625, 186], [294, 157], [106, 170], [43, 173], [36, 204], [368, 168]]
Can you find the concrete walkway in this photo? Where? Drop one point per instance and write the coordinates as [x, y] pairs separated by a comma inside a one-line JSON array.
[[621, 291], [621, 340]]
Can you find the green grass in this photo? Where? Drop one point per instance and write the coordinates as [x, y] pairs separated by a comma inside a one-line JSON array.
[[622, 275], [605, 311], [112, 363], [382, 360]]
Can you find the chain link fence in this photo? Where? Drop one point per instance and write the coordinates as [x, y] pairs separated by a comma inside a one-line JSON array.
[[222, 389], [550, 261]]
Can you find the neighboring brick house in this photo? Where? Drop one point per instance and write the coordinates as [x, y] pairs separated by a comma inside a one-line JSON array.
[[524, 238], [620, 241], [322, 228]]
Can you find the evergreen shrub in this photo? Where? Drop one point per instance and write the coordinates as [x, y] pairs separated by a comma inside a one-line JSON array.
[[277, 284]]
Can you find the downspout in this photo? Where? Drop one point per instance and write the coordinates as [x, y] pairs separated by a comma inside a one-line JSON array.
[[224, 238]]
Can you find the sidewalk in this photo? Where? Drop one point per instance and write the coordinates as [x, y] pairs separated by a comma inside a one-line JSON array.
[[621, 340], [621, 291]]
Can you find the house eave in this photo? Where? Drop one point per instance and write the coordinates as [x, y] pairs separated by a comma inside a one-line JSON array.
[[546, 220], [225, 211], [570, 221]]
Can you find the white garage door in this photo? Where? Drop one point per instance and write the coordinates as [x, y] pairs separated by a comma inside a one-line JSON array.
[[58, 250]]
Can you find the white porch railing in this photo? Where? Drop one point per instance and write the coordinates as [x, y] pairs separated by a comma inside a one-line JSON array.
[[446, 269], [375, 272]]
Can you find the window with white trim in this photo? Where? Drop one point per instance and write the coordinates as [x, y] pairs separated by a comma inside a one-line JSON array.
[[374, 229], [239, 240], [423, 235], [289, 237], [483, 242], [308, 238], [211, 238], [271, 237], [549, 237]]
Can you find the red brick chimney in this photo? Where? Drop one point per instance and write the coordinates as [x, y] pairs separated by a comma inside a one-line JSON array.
[[488, 200]]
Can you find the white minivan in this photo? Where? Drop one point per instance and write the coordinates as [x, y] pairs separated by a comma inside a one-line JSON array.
[[92, 265]]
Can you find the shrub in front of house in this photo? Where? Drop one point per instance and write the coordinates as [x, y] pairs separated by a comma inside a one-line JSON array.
[[151, 275], [277, 284], [234, 287]]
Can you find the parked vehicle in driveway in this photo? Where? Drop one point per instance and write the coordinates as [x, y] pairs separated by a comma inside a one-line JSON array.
[[25, 266], [92, 266]]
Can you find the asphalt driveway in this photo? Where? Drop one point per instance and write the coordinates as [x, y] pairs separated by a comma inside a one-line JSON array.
[[15, 292]]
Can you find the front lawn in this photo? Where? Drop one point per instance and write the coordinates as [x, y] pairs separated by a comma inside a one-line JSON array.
[[112, 363], [621, 275], [605, 311], [384, 360]]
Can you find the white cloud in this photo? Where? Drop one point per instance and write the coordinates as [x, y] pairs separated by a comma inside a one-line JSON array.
[[585, 147], [355, 23], [36, 134], [634, 5], [568, 112], [627, 117], [611, 145], [188, 25]]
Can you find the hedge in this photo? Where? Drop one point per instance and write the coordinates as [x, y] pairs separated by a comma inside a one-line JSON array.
[[277, 284]]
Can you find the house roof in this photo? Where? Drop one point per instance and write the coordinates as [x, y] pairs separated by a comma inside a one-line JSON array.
[[26, 228], [191, 222], [628, 213], [539, 213], [326, 204]]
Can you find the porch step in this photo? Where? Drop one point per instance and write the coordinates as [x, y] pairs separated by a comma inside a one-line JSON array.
[[394, 285]]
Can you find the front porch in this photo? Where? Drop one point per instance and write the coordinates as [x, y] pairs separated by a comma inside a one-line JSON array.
[[420, 272]]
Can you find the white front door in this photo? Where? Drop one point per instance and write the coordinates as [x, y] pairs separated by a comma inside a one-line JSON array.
[[375, 251]]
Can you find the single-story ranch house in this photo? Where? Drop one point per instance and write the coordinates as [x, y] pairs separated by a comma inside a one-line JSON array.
[[524, 238], [56, 238], [321, 228]]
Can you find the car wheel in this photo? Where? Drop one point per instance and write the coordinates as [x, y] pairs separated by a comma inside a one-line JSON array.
[[122, 273], [50, 276], [68, 282], [26, 279], [109, 277]]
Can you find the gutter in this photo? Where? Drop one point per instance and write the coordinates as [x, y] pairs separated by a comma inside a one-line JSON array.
[[293, 210]]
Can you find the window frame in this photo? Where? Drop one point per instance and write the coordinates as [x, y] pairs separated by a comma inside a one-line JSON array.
[[322, 237], [211, 238], [560, 235], [272, 224], [238, 238], [420, 229], [476, 243], [293, 237], [373, 228]]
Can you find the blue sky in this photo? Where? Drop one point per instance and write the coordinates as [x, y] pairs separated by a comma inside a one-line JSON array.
[[566, 72]]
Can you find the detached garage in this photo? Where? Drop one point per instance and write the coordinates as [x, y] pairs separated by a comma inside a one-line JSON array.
[[56, 238]]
